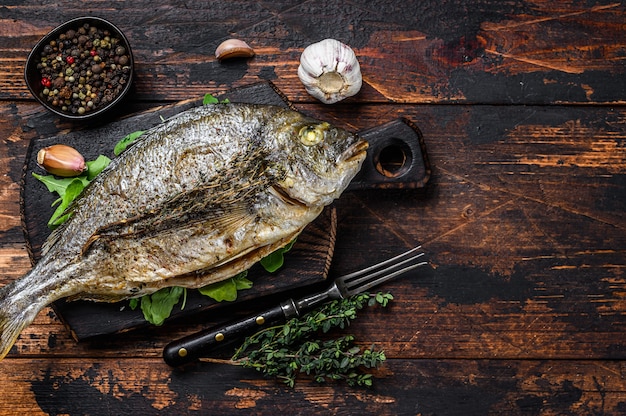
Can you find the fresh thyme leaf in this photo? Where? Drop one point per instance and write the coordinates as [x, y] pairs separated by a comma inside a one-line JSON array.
[[126, 141], [286, 351]]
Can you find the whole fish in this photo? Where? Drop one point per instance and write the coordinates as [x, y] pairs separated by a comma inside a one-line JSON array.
[[195, 200]]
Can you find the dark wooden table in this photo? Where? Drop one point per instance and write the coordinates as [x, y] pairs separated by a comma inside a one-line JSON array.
[[521, 104]]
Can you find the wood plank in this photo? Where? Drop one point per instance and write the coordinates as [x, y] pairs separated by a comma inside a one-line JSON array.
[[456, 387], [521, 105], [530, 52]]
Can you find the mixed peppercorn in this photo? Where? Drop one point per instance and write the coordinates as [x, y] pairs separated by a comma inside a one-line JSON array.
[[83, 69]]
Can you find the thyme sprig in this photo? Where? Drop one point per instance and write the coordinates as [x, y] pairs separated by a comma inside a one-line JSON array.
[[286, 351]]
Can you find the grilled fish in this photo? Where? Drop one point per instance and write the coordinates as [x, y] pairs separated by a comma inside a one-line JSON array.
[[195, 200]]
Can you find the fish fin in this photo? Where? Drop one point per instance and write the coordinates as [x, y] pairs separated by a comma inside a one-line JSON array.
[[13, 318], [57, 232], [228, 220], [10, 329], [52, 239]]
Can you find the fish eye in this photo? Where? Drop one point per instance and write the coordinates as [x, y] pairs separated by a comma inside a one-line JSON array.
[[312, 135]]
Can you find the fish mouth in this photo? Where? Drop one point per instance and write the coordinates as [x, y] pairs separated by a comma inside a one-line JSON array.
[[354, 153]]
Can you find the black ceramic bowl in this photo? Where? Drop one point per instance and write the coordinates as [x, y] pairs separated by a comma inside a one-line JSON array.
[[66, 95]]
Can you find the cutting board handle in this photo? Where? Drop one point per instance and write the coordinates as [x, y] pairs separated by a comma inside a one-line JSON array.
[[396, 157]]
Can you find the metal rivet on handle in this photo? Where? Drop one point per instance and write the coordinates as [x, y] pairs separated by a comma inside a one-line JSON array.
[[260, 320], [182, 352], [219, 337]]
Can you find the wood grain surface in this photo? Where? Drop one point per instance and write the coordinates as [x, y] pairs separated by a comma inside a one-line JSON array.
[[522, 107]]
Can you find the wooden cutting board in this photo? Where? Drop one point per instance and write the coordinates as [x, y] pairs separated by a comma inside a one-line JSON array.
[[308, 261]]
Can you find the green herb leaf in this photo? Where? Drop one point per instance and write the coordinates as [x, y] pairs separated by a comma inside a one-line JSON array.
[[126, 141], [209, 99], [58, 185], [221, 291], [157, 307], [227, 289], [94, 167], [287, 350], [68, 189], [241, 281], [275, 260], [71, 192]]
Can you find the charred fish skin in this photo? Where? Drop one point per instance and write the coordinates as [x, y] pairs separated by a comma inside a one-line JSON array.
[[197, 199]]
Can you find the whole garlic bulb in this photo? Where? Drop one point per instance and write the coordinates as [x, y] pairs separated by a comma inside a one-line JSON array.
[[330, 71]]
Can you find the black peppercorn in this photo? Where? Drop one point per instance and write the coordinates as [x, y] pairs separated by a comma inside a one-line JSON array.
[[74, 64]]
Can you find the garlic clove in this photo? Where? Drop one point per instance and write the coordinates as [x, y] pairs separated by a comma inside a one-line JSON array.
[[330, 71], [233, 48], [61, 160]]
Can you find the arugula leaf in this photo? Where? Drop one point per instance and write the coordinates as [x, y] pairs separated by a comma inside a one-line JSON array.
[[126, 141], [210, 99], [73, 189], [58, 185], [157, 307], [69, 188], [227, 289], [275, 260], [94, 167]]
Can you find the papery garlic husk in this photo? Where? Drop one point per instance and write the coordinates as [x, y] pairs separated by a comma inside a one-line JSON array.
[[61, 160], [233, 48], [330, 71]]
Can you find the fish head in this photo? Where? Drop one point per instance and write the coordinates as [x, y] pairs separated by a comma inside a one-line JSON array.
[[318, 160]]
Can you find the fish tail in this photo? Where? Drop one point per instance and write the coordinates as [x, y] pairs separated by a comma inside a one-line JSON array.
[[17, 311]]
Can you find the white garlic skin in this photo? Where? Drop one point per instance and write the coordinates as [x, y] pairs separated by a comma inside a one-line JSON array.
[[330, 71]]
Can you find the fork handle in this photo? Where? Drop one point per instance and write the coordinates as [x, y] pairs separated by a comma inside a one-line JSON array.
[[197, 345]]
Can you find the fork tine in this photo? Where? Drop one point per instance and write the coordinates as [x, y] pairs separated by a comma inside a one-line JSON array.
[[362, 280], [357, 281], [383, 279], [381, 264]]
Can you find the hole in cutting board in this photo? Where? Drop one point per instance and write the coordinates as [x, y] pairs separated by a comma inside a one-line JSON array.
[[394, 159]]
